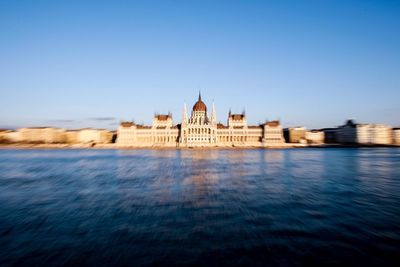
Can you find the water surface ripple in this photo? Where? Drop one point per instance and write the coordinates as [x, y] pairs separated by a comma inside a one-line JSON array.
[[295, 207]]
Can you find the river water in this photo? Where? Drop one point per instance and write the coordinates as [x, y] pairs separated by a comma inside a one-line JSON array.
[[293, 207]]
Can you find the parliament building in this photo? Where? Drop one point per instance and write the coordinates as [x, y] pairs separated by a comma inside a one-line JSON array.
[[201, 129]]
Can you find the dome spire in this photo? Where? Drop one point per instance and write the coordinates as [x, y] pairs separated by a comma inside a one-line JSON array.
[[199, 105]]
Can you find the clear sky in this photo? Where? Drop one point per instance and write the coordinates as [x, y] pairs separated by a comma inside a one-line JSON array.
[[93, 63]]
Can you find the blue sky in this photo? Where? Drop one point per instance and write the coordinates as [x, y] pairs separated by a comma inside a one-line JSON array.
[[93, 63]]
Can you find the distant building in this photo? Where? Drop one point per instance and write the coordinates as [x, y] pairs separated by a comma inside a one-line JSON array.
[[295, 134], [377, 134], [14, 136], [98, 136], [396, 136], [237, 120], [46, 135], [71, 136], [365, 134], [126, 134], [199, 130], [347, 133], [237, 132], [161, 133], [383, 134], [3, 136], [273, 133], [9, 136], [315, 137], [330, 135]]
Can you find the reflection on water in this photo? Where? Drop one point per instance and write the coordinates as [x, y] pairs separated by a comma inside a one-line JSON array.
[[200, 207]]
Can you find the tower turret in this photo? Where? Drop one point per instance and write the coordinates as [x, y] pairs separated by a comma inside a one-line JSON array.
[[213, 114], [184, 115]]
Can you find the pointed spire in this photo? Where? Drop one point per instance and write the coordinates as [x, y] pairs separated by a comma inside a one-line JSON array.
[[213, 114], [199, 96], [184, 115]]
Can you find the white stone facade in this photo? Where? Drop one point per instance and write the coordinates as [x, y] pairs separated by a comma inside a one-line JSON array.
[[71, 137], [9, 136], [296, 134], [365, 134], [315, 137], [98, 136], [133, 135], [273, 134], [46, 135], [50, 135], [383, 134], [199, 130]]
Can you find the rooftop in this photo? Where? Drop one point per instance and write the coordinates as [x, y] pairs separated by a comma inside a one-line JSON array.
[[199, 105], [127, 124], [221, 126], [237, 117], [163, 117], [273, 123]]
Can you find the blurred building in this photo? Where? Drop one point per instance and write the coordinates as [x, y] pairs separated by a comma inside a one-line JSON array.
[[365, 134], [4, 136], [382, 134], [295, 134], [237, 132], [396, 136], [347, 133], [200, 129], [330, 135], [315, 137], [89, 135], [126, 134], [71, 136], [273, 133], [46, 135], [9, 136]]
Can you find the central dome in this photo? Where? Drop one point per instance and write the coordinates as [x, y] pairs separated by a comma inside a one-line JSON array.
[[199, 105]]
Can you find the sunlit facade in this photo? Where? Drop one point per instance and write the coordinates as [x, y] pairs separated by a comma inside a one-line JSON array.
[[295, 134], [200, 129], [365, 134], [51, 135], [42, 135], [315, 137], [9, 136], [89, 135]]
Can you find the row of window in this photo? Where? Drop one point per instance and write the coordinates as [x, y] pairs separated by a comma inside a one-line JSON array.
[[199, 131], [199, 139], [238, 138]]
